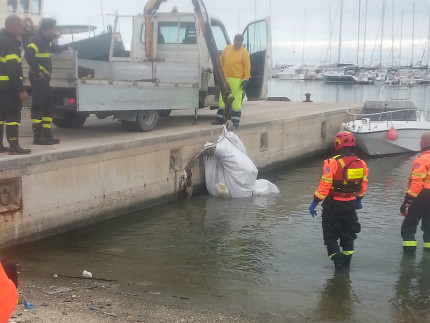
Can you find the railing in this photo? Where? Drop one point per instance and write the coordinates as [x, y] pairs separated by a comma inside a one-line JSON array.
[[421, 115]]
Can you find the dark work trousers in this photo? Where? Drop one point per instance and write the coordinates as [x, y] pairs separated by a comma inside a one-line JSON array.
[[339, 221], [42, 99], [10, 107], [418, 210]]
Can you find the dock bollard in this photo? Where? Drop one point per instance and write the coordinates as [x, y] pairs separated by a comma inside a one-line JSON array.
[[308, 97]]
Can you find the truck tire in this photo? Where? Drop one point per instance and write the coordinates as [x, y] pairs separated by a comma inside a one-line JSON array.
[[164, 113], [70, 119], [146, 120], [60, 123]]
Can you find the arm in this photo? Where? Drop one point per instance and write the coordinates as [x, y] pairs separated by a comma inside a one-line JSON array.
[[30, 55], [329, 169], [363, 187], [14, 69], [246, 66], [416, 181], [58, 48]]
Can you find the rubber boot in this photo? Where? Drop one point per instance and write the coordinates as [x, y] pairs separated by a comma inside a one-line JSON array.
[[39, 138], [346, 261], [337, 259], [3, 149], [12, 138], [48, 135]]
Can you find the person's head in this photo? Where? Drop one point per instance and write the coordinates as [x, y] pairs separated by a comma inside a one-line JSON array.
[[14, 25], [238, 41], [47, 27], [344, 139], [425, 140]]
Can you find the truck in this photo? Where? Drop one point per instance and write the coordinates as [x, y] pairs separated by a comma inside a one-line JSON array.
[[167, 61]]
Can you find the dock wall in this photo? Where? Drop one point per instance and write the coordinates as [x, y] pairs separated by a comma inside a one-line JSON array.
[[49, 193]]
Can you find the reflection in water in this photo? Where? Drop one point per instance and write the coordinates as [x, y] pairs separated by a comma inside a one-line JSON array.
[[412, 299], [337, 298]]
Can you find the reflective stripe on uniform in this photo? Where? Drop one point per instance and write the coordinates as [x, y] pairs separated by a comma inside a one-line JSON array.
[[332, 255], [4, 78], [326, 179], [1, 122], [11, 57], [2, 59], [426, 245], [348, 253], [409, 243], [43, 55], [47, 119], [319, 196], [420, 175], [12, 123], [33, 45], [412, 193], [36, 121], [46, 125], [44, 70]]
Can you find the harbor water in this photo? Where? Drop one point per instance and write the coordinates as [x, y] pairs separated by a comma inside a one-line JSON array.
[[261, 257]]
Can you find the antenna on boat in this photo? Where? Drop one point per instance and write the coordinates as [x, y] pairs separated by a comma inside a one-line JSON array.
[[103, 15]]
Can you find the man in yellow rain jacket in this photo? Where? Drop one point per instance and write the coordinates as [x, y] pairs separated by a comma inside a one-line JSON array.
[[416, 206], [237, 69]]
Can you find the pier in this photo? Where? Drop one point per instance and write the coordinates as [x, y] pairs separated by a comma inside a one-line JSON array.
[[101, 171]]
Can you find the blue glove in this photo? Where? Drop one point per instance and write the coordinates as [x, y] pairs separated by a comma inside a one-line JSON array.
[[358, 205], [244, 84], [312, 208]]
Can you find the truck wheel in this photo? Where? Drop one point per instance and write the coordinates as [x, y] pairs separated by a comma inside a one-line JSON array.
[[164, 113], [146, 120], [76, 120], [60, 123]]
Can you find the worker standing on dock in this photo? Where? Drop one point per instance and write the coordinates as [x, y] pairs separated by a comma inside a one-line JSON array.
[[342, 187], [237, 69], [416, 206], [38, 56], [12, 92]]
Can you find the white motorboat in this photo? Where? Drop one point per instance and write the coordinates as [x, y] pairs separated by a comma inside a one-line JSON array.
[[290, 74], [388, 127]]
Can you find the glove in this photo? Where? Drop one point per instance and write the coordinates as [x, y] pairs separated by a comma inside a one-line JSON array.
[[358, 205], [312, 208], [405, 205], [244, 84]]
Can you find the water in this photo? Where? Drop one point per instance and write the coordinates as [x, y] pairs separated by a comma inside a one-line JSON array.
[[330, 92], [262, 257]]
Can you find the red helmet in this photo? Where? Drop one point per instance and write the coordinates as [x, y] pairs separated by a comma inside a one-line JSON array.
[[344, 139]]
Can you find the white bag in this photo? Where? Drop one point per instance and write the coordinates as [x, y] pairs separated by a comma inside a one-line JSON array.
[[264, 187]]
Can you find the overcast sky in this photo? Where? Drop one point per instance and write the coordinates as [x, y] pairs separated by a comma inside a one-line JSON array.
[[289, 26]]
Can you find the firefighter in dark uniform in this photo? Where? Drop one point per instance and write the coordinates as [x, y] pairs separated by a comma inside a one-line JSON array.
[[38, 56], [12, 93], [342, 187], [416, 206]]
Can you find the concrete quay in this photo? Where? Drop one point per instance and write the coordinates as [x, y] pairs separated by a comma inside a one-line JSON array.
[[101, 170]]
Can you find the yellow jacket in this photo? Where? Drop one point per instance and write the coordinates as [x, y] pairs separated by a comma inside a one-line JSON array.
[[236, 63]]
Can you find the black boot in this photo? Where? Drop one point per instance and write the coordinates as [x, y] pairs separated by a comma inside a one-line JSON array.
[[218, 122], [3, 149], [346, 261], [12, 138], [48, 135], [39, 138], [337, 259]]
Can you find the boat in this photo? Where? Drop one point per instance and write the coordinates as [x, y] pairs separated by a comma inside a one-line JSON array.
[[290, 73], [388, 127]]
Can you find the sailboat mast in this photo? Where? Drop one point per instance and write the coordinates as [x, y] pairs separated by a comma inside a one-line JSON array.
[[331, 32], [382, 33], [359, 24], [340, 32], [365, 31], [413, 32], [401, 41], [304, 34], [428, 44], [392, 35]]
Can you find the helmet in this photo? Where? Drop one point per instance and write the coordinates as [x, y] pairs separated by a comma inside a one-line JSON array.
[[344, 139]]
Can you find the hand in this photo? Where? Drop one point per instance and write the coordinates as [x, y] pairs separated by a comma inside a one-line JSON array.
[[39, 75], [312, 207], [23, 96], [358, 205], [244, 84], [404, 207]]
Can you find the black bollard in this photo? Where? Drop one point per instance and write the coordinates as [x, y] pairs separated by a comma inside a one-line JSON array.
[[308, 97]]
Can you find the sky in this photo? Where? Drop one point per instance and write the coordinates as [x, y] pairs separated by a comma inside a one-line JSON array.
[[301, 29]]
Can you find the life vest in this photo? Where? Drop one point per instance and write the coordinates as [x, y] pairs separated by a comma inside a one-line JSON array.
[[348, 178]]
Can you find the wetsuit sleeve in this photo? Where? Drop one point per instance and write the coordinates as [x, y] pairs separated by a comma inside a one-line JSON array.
[[326, 182], [246, 65], [363, 186], [416, 181], [14, 69], [30, 56]]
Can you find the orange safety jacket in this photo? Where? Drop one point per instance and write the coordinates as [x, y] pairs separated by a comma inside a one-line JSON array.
[[8, 296], [344, 178], [420, 176]]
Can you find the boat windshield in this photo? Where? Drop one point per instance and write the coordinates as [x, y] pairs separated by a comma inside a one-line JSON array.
[[391, 110]]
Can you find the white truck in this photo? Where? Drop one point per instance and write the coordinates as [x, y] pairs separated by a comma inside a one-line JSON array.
[[168, 67]]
